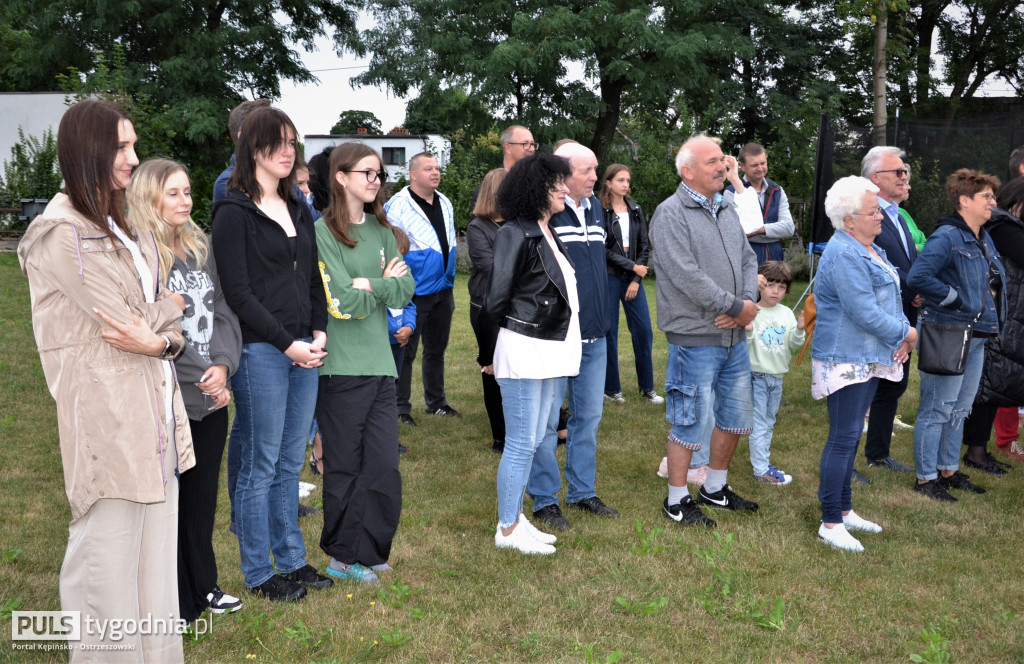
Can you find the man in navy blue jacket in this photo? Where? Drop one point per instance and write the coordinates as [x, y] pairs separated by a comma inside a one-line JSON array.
[[778, 221], [883, 165], [581, 227]]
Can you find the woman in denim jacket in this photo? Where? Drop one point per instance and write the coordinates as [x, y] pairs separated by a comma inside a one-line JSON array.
[[960, 277], [861, 337]]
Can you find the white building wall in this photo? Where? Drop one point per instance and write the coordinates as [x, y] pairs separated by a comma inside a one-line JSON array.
[[34, 112], [411, 144]]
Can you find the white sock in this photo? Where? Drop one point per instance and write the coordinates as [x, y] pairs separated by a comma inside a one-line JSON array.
[[676, 494], [716, 480]]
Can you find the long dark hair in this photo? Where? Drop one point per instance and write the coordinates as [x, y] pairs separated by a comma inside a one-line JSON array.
[[261, 134], [1011, 196], [87, 144], [606, 192], [343, 158]]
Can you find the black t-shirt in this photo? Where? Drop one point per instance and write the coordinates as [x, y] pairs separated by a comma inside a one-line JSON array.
[[436, 216]]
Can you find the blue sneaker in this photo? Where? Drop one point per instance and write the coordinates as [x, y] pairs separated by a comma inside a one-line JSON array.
[[775, 476], [353, 572]]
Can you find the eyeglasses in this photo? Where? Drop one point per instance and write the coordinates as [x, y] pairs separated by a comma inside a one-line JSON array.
[[874, 212], [899, 172], [371, 175], [527, 145], [987, 196]]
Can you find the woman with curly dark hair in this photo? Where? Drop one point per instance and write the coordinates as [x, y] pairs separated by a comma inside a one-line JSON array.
[[529, 333]]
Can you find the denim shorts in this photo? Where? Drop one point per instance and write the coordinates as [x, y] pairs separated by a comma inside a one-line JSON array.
[[694, 374]]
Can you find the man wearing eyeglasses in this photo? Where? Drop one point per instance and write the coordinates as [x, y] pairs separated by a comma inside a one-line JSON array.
[[883, 165], [428, 218], [516, 142]]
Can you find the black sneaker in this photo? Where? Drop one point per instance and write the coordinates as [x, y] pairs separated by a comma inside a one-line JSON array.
[[859, 477], [279, 589], [305, 510], [309, 577], [406, 418], [985, 466], [594, 505], [402, 449], [890, 463], [498, 446], [960, 481], [726, 499], [552, 516], [935, 491], [444, 411], [1001, 464], [687, 512], [221, 602]]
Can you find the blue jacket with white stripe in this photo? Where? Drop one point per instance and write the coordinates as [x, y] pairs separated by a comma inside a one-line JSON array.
[[424, 259], [585, 244]]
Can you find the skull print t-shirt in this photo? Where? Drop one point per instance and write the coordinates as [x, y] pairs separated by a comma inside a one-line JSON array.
[[196, 286]]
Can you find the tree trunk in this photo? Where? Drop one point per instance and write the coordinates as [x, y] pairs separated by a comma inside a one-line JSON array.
[[878, 72]]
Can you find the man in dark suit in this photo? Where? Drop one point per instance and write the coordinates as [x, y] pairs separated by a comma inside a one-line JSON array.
[[883, 165]]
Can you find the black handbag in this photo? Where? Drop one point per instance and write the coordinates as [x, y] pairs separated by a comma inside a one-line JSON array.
[[942, 348]]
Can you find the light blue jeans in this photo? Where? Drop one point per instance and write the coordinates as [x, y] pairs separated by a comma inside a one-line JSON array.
[[767, 397], [531, 418], [274, 404], [707, 384], [586, 404], [945, 403]]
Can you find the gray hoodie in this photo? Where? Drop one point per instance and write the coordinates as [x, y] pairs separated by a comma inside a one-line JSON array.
[[704, 267], [212, 335]]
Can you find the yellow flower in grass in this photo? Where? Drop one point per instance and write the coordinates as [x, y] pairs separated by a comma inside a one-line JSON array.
[[349, 595]]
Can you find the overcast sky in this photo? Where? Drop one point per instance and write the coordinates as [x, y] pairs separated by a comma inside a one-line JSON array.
[[314, 108]]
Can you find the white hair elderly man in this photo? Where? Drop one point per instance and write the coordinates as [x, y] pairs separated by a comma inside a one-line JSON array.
[[706, 291], [581, 227], [884, 167]]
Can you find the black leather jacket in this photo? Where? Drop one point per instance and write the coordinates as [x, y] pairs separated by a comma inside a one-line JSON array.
[[619, 264], [526, 292]]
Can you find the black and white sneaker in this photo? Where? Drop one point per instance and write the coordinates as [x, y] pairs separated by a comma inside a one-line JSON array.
[[725, 499], [444, 411], [221, 602], [687, 512]]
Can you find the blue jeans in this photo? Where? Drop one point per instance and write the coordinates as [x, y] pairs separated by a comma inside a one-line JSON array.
[[531, 417], [274, 405], [945, 403], [704, 384], [638, 320], [767, 397], [846, 409], [586, 404]]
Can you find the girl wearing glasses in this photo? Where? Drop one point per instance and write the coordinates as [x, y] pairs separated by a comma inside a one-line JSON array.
[[363, 275]]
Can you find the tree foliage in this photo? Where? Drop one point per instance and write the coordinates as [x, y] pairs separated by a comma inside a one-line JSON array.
[[446, 111], [31, 172], [349, 122], [191, 62]]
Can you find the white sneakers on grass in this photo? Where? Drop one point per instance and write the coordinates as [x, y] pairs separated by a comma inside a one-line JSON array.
[[526, 538], [839, 538], [853, 521]]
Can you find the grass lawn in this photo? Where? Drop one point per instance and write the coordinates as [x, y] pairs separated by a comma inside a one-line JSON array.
[[637, 588]]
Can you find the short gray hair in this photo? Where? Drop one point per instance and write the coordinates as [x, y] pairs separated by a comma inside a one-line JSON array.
[[506, 135], [844, 198], [685, 155], [874, 155], [570, 151]]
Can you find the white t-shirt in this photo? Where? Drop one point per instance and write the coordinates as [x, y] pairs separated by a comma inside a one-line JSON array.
[[519, 356], [624, 227]]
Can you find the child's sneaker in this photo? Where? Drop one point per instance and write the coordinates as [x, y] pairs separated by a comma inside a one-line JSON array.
[[353, 572], [775, 476]]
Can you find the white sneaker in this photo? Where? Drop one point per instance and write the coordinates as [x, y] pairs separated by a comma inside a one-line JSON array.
[[839, 538], [897, 423], [521, 541], [853, 521], [617, 397], [663, 468], [652, 396], [535, 533]]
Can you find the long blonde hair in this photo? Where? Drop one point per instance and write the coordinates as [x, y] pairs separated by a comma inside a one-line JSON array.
[[145, 198]]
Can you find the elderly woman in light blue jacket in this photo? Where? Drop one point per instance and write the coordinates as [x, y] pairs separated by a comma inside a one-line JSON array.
[[861, 337]]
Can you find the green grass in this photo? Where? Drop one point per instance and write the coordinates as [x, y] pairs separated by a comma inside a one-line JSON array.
[[761, 590]]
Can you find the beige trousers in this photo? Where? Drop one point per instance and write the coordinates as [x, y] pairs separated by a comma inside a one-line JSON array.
[[121, 565]]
